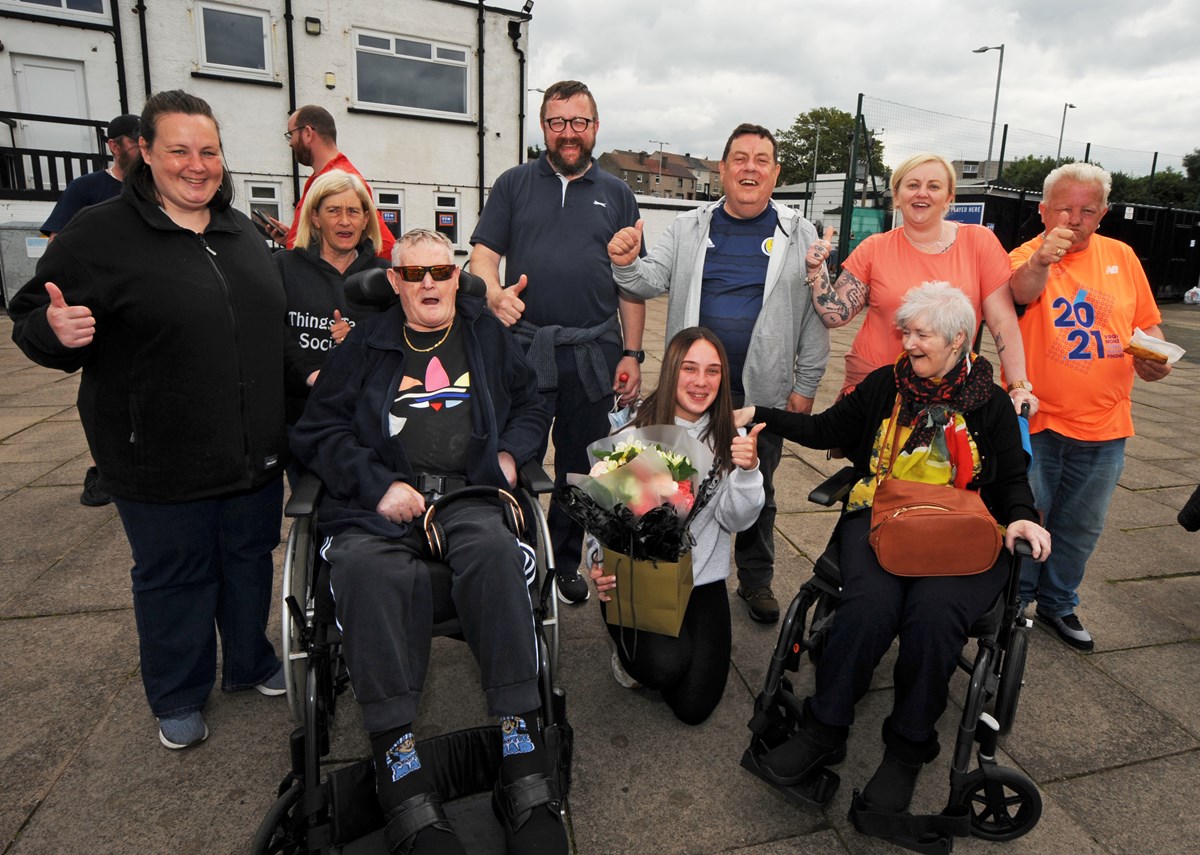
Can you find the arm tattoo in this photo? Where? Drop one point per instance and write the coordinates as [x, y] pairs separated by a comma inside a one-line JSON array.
[[841, 301], [999, 343]]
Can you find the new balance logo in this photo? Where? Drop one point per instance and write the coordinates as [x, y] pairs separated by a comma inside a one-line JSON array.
[[1113, 268]]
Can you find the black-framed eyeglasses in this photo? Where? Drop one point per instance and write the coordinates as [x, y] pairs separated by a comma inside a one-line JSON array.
[[579, 124], [288, 134], [416, 272]]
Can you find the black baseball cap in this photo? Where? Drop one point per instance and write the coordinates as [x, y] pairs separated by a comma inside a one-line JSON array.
[[125, 125]]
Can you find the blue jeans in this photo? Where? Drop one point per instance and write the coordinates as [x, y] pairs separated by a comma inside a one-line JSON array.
[[199, 568], [1072, 485]]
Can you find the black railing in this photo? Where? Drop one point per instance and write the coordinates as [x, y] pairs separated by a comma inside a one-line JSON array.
[[42, 174]]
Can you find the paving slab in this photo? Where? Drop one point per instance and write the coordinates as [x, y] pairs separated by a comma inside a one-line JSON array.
[[1075, 719], [50, 712], [1138, 809], [1112, 739], [92, 577]]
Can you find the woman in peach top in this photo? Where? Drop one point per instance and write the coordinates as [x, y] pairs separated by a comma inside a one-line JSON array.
[[927, 247]]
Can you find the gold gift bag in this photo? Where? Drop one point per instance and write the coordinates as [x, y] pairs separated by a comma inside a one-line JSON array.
[[650, 596]]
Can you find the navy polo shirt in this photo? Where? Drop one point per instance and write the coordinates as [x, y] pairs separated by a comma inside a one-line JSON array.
[[85, 190], [559, 239]]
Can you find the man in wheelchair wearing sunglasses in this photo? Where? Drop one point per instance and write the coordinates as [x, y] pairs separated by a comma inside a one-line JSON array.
[[431, 396]]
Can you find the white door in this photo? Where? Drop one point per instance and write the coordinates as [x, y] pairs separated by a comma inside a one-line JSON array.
[[51, 87]]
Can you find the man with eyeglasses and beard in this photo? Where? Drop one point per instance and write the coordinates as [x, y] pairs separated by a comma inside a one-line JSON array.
[[551, 219]]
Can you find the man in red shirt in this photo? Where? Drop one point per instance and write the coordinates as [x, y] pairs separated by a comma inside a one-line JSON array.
[[312, 135]]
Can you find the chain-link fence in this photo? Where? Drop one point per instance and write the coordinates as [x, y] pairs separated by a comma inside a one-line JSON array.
[[905, 130]]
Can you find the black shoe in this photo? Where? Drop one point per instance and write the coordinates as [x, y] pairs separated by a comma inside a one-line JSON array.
[[1069, 629], [405, 832], [890, 789], [763, 606], [816, 744], [92, 495], [530, 812], [573, 589]]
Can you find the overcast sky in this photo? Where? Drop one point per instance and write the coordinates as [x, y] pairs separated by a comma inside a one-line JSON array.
[[688, 71]]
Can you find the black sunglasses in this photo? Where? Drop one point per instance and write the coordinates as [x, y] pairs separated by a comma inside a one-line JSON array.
[[416, 272]]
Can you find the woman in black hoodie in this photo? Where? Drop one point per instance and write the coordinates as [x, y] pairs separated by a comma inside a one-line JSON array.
[[336, 236]]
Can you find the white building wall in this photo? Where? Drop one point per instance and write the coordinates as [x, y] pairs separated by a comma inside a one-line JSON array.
[[421, 158]]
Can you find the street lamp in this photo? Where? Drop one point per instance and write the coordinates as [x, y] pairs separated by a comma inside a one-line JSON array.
[[1062, 127], [996, 101]]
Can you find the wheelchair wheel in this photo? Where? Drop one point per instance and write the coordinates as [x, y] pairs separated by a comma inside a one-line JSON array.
[[1013, 675], [298, 567], [276, 834], [1004, 804]]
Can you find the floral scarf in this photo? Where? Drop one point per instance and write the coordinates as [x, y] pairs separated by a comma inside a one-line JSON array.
[[925, 404]]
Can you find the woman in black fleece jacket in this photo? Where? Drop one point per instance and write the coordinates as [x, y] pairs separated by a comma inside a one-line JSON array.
[[955, 426], [167, 299]]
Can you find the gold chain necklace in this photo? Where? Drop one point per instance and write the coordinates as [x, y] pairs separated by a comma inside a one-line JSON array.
[[440, 341]]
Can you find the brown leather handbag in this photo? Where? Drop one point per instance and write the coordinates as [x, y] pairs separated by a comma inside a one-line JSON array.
[[920, 529]]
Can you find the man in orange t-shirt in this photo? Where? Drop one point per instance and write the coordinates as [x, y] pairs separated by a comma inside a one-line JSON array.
[[1084, 294]]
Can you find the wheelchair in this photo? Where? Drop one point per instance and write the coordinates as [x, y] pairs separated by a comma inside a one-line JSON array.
[[334, 810], [991, 802]]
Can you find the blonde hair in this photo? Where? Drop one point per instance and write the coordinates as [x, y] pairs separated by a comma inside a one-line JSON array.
[[333, 182], [920, 160]]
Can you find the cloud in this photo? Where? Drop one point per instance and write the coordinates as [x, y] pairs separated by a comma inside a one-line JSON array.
[[688, 71]]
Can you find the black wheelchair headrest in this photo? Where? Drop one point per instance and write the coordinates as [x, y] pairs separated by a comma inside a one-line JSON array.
[[371, 287]]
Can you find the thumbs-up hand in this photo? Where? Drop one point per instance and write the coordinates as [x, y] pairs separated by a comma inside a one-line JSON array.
[[819, 251], [73, 326], [744, 451], [1056, 242], [507, 303], [340, 328], [625, 245]]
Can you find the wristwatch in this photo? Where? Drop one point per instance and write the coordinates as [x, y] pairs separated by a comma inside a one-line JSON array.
[[1020, 384], [639, 355]]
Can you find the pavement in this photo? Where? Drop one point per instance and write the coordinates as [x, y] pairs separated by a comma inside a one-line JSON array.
[[1112, 739]]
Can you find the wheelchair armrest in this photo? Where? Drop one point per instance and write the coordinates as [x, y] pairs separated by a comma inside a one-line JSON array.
[[1022, 549], [305, 494], [534, 478], [834, 488]]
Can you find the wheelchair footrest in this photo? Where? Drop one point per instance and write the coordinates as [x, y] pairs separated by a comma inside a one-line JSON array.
[[813, 792], [931, 834]]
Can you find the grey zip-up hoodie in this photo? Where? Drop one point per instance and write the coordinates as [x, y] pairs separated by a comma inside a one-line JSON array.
[[787, 323]]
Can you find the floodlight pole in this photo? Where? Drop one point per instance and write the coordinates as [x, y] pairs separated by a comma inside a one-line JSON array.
[[996, 100], [1061, 129]]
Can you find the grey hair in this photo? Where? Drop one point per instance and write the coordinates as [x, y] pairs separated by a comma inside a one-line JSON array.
[[415, 237], [1082, 173], [941, 307]]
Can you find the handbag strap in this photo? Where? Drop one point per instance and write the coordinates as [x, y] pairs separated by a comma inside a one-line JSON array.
[[891, 442]]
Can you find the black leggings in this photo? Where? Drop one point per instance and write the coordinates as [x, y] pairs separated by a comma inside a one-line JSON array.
[[690, 670]]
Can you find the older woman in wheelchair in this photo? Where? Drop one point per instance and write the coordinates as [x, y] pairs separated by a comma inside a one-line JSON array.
[[433, 395], [935, 416]]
